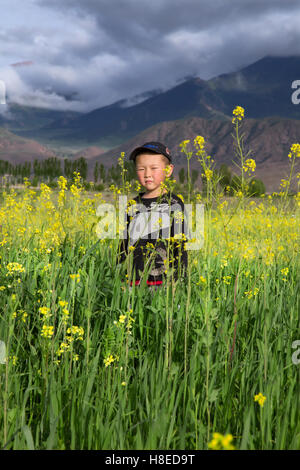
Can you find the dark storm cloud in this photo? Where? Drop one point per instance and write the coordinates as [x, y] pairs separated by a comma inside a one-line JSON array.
[[106, 50]]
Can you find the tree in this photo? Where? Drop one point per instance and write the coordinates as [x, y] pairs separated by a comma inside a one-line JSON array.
[[225, 175], [96, 172], [194, 177], [181, 175], [102, 172], [67, 168], [256, 187], [130, 171], [114, 174]]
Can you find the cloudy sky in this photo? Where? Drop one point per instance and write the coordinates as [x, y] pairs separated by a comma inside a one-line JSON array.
[[90, 53]]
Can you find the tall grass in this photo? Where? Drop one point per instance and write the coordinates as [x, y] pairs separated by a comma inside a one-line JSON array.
[[150, 370]]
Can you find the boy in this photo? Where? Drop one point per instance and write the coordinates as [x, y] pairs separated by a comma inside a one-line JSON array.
[[156, 216]]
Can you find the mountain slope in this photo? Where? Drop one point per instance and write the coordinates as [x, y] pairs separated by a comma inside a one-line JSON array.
[[27, 118], [263, 89], [16, 149], [269, 141], [193, 97]]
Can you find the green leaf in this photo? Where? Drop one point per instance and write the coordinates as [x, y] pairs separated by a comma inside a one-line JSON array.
[[28, 437], [213, 395]]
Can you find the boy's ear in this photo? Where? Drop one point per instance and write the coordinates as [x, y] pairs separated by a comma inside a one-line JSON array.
[[169, 169]]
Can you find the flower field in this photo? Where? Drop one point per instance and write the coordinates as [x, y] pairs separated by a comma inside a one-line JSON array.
[[208, 363]]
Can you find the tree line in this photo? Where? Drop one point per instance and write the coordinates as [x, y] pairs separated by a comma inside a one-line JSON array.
[[50, 169], [230, 183]]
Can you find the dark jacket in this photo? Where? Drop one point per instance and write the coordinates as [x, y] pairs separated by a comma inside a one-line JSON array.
[[148, 225]]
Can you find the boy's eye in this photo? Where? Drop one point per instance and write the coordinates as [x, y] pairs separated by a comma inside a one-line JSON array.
[[151, 168]]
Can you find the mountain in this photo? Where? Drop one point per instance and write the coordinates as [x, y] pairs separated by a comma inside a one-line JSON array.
[[118, 122], [16, 149], [262, 88], [194, 107], [18, 118], [89, 152], [268, 140]]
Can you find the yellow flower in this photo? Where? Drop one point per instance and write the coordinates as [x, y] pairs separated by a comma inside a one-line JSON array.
[[220, 442], [249, 294], [122, 318], [14, 268], [199, 141], [47, 331], [260, 398], [150, 246], [44, 311], [76, 331], [24, 316], [284, 183], [14, 360], [66, 313], [295, 150], [108, 360], [226, 279], [184, 143], [62, 183], [250, 165], [238, 113], [208, 173], [63, 347], [284, 271], [75, 276]]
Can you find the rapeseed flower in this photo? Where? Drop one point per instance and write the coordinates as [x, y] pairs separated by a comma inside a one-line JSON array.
[[14, 268], [199, 142], [249, 165], [238, 114], [45, 311], [75, 277], [294, 151], [76, 331], [260, 398], [47, 331], [63, 348], [109, 360], [284, 271], [220, 442]]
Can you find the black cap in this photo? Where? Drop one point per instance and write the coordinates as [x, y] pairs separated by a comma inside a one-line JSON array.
[[155, 147]]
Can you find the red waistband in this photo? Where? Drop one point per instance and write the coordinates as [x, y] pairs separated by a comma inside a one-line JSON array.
[[149, 283]]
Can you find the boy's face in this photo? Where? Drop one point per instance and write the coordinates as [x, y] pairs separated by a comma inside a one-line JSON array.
[[151, 171]]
